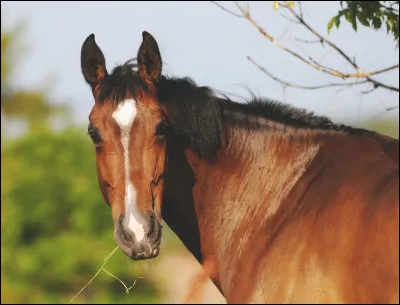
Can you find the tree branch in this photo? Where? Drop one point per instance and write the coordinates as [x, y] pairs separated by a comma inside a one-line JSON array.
[[382, 85], [360, 73], [310, 41], [226, 10], [388, 109], [287, 84], [328, 42], [247, 16]]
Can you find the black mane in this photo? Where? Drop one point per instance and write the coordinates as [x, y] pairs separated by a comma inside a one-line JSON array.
[[122, 80], [197, 116]]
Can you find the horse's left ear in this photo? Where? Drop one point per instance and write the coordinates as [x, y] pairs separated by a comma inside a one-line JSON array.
[[149, 59], [93, 64]]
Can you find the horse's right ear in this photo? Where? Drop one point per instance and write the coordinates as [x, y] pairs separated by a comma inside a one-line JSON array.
[[93, 64]]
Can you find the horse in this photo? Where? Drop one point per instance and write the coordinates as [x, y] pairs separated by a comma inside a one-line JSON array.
[[293, 207]]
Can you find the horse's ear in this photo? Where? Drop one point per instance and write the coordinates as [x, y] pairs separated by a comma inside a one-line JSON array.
[[149, 59], [93, 64]]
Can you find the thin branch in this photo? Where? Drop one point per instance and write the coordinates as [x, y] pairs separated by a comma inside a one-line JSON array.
[[381, 113], [126, 288], [349, 86], [272, 39], [382, 85], [384, 70], [300, 8], [226, 10], [309, 41], [359, 74], [302, 21], [325, 67], [97, 273], [289, 19], [311, 62], [287, 84], [316, 62], [392, 108], [369, 91], [390, 8], [285, 32], [109, 273]]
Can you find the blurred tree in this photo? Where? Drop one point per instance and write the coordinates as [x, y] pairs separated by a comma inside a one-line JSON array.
[[32, 106], [387, 127], [56, 229]]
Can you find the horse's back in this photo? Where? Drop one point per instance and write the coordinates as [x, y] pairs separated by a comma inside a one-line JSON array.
[[340, 244]]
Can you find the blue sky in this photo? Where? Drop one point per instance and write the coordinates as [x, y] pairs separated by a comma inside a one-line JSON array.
[[199, 40]]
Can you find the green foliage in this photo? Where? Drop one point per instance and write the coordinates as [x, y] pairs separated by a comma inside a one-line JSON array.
[[372, 14], [386, 127], [31, 105], [11, 51], [55, 227]]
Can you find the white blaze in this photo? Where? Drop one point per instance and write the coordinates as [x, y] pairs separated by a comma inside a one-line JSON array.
[[124, 115]]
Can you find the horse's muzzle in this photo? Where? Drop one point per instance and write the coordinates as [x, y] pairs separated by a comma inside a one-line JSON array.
[[147, 247]]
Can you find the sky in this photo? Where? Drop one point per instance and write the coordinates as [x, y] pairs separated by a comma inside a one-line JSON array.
[[201, 41]]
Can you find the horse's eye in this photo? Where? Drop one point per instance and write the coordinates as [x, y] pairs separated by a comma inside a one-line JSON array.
[[94, 133], [161, 129]]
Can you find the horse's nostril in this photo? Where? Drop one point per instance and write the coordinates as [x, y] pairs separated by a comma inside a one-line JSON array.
[[151, 226]]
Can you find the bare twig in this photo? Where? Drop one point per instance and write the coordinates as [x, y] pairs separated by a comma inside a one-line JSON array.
[[226, 10], [102, 269], [97, 273], [390, 8], [360, 73], [287, 84], [309, 41], [301, 20], [277, 43], [126, 288], [288, 18], [369, 91], [382, 85], [388, 109]]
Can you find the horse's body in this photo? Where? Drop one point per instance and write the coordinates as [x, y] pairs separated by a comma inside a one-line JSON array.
[[292, 216], [293, 208], [292, 220]]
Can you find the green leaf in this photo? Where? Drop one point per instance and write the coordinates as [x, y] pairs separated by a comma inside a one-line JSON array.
[[377, 23], [371, 14], [337, 22], [334, 21], [354, 24], [363, 20], [348, 15], [330, 24]]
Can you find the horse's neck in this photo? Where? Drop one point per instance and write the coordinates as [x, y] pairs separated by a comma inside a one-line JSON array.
[[178, 207], [242, 190]]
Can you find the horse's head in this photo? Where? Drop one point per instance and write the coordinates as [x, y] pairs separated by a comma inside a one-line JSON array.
[[130, 153]]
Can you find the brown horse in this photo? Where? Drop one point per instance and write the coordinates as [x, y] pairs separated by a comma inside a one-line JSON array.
[[292, 207]]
